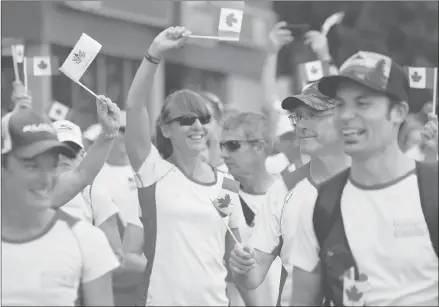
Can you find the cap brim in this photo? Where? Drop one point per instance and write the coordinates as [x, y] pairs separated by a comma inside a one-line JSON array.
[[38, 148], [67, 137], [293, 102], [328, 85]]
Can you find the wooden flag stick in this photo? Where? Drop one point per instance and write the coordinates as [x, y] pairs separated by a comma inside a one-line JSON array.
[[228, 39], [14, 60], [434, 90]]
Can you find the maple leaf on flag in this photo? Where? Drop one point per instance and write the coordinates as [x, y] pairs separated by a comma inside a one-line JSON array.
[[353, 294], [416, 77], [224, 202], [231, 19], [78, 57], [42, 65]]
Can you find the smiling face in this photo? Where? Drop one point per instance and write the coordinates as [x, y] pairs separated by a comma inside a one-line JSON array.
[[367, 121], [315, 131], [186, 122], [31, 181]]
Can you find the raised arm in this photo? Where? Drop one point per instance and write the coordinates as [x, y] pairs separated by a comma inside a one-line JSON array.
[[73, 182], [137, 132], [277, 38]]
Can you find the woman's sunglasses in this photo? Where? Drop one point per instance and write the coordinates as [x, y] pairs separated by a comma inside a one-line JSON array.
[[234, 145], [190, 120]]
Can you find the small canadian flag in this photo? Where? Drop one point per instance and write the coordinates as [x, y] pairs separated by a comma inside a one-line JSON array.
[[230, 23], [421, 77], [58, 111], [312, 71], [223, 202], [40, 66]]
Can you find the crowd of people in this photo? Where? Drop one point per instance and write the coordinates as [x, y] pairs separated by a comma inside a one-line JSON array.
[[116, 216]]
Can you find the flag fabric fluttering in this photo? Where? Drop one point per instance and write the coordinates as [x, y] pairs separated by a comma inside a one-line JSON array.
[[331, 21], [80, 58], [312, 71], [18, 52], [58, 111], [223, 202], [421, 77]]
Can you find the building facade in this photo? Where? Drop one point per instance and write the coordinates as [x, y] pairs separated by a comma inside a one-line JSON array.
[[125, 29]]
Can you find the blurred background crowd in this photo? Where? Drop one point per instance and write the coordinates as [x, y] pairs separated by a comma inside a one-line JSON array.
[[406, 31]]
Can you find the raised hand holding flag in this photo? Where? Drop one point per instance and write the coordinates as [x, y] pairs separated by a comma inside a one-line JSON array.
[[80, 58]]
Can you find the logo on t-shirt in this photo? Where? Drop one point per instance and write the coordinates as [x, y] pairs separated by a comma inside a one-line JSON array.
[[353, 290]]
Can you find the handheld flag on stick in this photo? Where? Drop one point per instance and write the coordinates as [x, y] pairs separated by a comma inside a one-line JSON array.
[[423, 78], [223, 202], [17, 57], [331, 21], [312, 71], [80, 58], [229, 25]]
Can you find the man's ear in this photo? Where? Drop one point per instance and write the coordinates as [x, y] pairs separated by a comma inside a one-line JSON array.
[[165, 129], [399, 112]]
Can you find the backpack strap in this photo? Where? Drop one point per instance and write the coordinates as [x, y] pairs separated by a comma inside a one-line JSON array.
[[329, 195], [427, 174]]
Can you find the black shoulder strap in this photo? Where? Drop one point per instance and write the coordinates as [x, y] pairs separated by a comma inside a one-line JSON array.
[[329, 195], [291, 179], [249, 215], [427, 174]]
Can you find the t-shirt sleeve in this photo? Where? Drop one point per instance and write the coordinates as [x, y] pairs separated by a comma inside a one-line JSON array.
[[267, 232], [305, 247], [101, 203], [98, 257], [152, 170]]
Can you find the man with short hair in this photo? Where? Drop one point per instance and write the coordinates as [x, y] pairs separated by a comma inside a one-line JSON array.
[[47, 255], [92, 205], [245, 143], [312, 115], [370, 235]]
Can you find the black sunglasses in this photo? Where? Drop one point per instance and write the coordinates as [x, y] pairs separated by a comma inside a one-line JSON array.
[[234, 145], [190, 120]]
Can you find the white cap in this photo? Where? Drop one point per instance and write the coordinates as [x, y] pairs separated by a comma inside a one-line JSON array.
[[68, 132]]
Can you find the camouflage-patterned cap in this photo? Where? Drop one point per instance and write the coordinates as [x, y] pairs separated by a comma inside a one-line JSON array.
[[376, 71], [311, 97]]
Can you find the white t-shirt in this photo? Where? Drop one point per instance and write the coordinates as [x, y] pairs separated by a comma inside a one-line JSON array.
[[185, 242], [97, 211], [278, 223], [270, 286], [47, 270], [389, 239], [119, 183]]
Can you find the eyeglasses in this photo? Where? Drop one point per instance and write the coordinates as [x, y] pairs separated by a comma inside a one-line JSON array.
[[190, 120], [234, 145], [295, 117]]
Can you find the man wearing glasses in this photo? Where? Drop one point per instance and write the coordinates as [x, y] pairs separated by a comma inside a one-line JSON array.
[[312, 114]]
